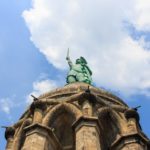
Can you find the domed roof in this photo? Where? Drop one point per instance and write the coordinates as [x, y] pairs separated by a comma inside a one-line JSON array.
[[78, 87]]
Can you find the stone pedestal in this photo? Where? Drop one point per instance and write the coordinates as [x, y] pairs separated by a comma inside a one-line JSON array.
[[40, 137], [101, 121], [87, 134]]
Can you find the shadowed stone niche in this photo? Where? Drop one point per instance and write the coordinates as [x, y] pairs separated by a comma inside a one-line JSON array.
[[77, 116], [60, 118]]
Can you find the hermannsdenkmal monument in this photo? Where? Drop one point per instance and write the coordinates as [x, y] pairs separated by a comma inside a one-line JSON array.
[[77, 116]]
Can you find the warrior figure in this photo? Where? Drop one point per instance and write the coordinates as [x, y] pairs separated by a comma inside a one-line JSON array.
[[79, 72]]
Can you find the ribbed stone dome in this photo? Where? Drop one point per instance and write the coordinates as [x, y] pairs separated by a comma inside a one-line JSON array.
[[75, 117], [74, 88]]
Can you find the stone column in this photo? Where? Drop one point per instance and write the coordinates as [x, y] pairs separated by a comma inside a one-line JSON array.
[[87, 134], [39, 137], [133, 146], [87, 102], [9, 134], [132, 139], [87, 108], [133, 120], [37, 109]]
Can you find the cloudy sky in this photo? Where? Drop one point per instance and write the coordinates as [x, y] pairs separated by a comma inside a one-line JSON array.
[[114, 37]]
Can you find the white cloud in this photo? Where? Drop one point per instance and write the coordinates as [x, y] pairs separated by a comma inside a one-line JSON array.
[[5, 105], [95, 30], [141, 17], [40, 87]]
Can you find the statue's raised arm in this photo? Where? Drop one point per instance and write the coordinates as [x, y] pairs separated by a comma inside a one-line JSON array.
[[68, 59]]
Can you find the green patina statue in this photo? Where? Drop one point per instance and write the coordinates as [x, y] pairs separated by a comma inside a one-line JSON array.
[[79, 72]]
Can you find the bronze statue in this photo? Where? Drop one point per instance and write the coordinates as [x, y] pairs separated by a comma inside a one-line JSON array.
[[79, 72]]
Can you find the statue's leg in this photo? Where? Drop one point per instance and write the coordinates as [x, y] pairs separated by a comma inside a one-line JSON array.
[[71, 79]]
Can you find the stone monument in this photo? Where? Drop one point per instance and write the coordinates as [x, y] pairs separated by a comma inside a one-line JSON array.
[[77, 116]]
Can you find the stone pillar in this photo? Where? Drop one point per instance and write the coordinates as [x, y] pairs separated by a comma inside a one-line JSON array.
[[39, 137], [19, 138], [87, 108], [87, 134], [133, 120], [37, 109], [87, 102], [130, 141], [133, 147], [9, 134]]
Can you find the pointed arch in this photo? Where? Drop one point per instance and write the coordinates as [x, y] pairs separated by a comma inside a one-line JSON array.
[[60, 108], [111, 125], [106, 112], [60, 118]]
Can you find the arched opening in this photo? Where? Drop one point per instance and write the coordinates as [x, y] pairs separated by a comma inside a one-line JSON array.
[[110, 126], [60, 119], [62, 126]]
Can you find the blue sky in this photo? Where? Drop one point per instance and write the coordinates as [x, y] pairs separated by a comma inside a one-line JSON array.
[[33, 45], [20, 62]]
